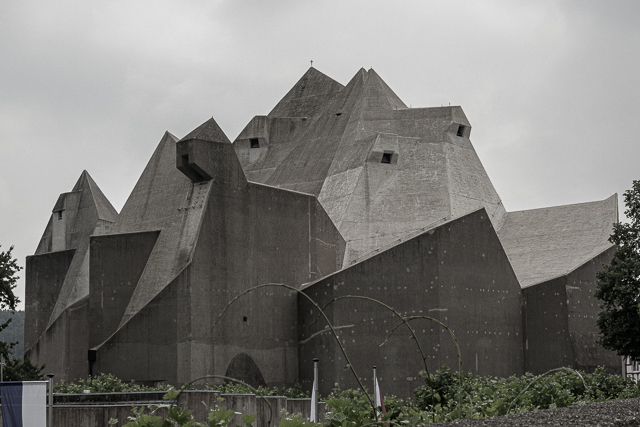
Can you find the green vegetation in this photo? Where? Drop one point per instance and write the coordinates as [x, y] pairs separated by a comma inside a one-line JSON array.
[[14, 332], [15, 369], [481, 397], [108, 383], [619, 283], [105, 383]]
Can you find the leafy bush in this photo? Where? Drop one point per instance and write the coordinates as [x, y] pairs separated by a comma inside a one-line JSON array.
[[108, 383], [105, 383], [490, 396], [236, 388]]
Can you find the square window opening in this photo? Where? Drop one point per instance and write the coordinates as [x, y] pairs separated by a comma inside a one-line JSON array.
[[461, 130], [255, 142], [244, 319], [386, 158]]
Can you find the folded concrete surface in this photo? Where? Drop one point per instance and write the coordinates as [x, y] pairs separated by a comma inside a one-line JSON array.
[[339, 191]]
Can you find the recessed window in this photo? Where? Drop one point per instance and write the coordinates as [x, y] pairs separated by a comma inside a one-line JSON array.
[[460, 130], [255, 142], [386, 158], [338, 114], [244, 319], [59, 215]]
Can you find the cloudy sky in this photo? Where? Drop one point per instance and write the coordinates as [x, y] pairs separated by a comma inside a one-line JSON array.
[[551, 88]]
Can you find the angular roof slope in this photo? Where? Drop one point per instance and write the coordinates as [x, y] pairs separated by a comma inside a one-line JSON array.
[[433, 173], [546, 243], [208, 131], [308, 96], [105, 209]]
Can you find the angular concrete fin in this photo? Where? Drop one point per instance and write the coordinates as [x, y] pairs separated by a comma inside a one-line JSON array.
[[208, 131], [312, 84]]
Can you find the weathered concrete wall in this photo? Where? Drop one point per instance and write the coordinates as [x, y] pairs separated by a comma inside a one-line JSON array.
[[582, 315], [45, 275], [244, 235], [63, 348], [148, 346], [117, 262], [57, 283], [560, 322], [546, 329], [457, 273], [254, 234]]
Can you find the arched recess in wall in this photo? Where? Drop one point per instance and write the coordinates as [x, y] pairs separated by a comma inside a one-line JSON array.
[[243, 368]]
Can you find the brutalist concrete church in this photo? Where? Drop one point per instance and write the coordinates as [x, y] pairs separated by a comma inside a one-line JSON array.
[[339, 190]]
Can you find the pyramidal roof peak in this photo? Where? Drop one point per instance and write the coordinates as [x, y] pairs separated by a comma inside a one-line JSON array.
[[208, 131], [103, 206], [312, 84], [381, 88]]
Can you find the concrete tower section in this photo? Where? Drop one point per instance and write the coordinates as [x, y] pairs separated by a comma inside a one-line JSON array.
[[384, 172], [193, 235], [57, 279]]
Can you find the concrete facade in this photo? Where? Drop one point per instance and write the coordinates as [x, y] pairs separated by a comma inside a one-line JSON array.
[[339, 190]]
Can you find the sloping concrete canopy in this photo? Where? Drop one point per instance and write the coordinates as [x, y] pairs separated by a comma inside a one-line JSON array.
[[546, 243]]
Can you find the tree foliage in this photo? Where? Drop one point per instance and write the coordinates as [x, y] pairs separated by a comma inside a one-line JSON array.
[[9, 269], [618, 284], [15, 368]]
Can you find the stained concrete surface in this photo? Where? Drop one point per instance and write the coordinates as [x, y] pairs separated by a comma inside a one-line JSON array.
[[341, 188], [456, 272]]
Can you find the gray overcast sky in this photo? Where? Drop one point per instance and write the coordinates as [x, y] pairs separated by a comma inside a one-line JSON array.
[[551, 88]]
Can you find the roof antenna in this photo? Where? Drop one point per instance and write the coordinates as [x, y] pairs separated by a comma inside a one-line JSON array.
[[312, 63]]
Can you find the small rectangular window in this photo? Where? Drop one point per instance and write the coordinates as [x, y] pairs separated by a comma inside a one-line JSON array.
[[255, 142], [244, 318], [460, 130], [386, 158], [59, 215]]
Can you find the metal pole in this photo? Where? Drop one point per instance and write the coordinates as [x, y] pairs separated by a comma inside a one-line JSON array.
[[50, 376], [315, 385], [374, 379]]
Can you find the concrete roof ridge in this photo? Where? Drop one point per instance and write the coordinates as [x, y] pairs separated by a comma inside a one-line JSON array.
[[410, 235], [613, 198], [208, 131]]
